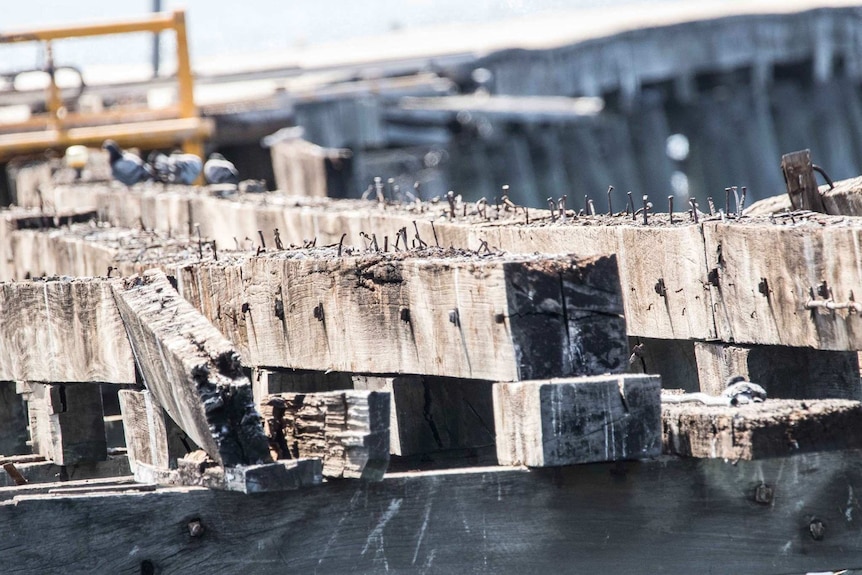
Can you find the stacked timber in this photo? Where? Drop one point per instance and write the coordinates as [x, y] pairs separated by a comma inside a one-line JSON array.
[[403, 336]]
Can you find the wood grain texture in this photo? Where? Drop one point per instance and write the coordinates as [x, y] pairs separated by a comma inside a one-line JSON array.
[[774, 428], [347, 430], [766, 273], [152, 437], [579, 420], [63, 330], [660, 516], [785, 372], [191, 369], [429, 312]]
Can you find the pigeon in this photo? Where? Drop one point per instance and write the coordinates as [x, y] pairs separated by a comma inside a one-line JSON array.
[[184, 168], [126, 168], [218, 170], [178, 168]]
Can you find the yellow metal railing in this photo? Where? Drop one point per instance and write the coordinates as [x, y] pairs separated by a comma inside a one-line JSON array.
[[59, 128]]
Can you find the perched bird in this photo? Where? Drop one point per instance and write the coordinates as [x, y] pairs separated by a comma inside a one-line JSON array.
[[159, 165], [126, 167], [184, 168], [218, 170], [178, 168]]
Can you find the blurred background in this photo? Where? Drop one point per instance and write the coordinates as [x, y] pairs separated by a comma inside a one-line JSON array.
[[549, 97]]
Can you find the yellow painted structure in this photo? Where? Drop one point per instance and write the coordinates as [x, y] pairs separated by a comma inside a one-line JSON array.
[[138, 126]]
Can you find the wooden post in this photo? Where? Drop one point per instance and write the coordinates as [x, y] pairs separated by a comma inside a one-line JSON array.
[[66, 422], [801, 184], [580, 420]]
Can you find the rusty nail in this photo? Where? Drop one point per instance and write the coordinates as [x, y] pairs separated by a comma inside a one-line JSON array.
[[646, 209], [450, 197], [631, 206], [416, 229], [726, 200], [200, 242], [215, 252], [670, 209], [386, 243], [110, 269], [763, 287], [592, 209], [378, 189], [527, 216], [660, 288], [499, 318], [245, 307], [433, 229], [262, 243], [278, 244], [742, 202], [341, 244], [693, 205], [236, 243], [711, 205], [561, 203], [318, 312], [735, 200], [196, 528], [610, 201], [405, 315], [505, 198], [712, 277], [552, 207], [763, 494]]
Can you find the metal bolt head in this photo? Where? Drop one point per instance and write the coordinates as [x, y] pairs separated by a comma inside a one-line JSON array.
[[196, 528], [763, 494], [817, 529]]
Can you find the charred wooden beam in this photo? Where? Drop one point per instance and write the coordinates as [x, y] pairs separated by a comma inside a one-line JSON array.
[[192, 371], [580, 420], [433, 312]]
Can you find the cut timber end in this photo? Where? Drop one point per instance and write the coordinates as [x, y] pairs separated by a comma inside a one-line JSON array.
[[566, 318], [581, 420], [152, 438], [347, 430], [66, 422], [774, 428], [191, 370], [37, 319]]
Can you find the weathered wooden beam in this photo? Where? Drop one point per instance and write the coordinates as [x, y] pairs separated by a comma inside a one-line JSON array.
[[773, 428], [198, 470], [801, 184], [581, 420], [192, 371], [64, 330], [66, 422], [432, 414], [431, 312], [152, 438], [792, 512], [785, 372], [347, 430], [789, 282]]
